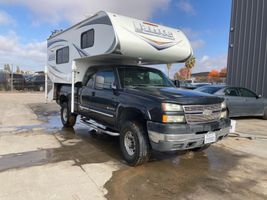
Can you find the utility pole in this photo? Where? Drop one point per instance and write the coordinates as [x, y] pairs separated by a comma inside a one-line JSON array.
[[12, 78]]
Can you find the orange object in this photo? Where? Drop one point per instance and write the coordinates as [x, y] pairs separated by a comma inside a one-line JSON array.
[[164, 118]]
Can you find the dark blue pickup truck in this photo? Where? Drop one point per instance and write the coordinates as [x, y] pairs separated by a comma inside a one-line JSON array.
[[143, 107]]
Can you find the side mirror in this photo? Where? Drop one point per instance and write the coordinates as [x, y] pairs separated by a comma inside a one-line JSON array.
[[176, 83], [113, 86]]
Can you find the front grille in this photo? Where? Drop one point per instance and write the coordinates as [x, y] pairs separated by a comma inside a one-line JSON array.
[[195, 114]]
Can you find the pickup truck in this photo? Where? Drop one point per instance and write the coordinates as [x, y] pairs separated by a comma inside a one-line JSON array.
[[145, 109]]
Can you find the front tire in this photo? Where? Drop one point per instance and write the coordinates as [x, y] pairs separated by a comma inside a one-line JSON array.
[[134, 143], [67, 119]]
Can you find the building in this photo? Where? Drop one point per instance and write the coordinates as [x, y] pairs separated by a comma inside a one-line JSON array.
[[247, 54], [200, 76]]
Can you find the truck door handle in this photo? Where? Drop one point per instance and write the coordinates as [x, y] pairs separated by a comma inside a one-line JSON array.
[[93, 94]]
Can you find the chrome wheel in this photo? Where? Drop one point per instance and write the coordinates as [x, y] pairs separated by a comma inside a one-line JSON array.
[[129, 143]]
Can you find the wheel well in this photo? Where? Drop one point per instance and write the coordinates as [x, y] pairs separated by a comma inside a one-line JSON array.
[[63, 99], [129, 114]]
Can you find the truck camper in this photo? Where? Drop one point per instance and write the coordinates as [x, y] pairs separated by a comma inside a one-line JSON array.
[[98, 69]]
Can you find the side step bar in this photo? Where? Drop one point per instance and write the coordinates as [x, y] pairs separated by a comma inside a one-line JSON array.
[[99, 127]]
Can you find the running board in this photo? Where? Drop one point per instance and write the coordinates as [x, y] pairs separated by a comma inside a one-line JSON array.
[[99, 127]]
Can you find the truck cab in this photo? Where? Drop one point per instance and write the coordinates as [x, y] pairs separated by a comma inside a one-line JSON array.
[[145, 109]]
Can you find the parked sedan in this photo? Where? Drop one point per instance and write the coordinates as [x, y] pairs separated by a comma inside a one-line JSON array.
[[239, 101]]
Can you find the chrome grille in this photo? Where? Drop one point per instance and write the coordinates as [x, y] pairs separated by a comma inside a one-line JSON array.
[[202, 113]]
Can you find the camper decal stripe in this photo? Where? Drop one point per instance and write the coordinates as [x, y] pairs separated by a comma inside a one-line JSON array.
[[57, 76], [52, 73], [54, 68], [156, 44], [99, 20], [112, 46], [80, 51], [55, 41], [159, 45]]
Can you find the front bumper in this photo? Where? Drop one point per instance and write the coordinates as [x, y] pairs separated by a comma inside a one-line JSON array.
[[171, 137]]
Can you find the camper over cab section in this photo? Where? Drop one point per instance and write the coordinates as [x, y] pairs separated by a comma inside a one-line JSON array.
[[119, 38]]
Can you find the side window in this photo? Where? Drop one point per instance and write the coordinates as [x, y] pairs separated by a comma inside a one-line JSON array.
[[62, 55], [87, 39], [246, 93], [155, 78], [104, 79], [231, 92]]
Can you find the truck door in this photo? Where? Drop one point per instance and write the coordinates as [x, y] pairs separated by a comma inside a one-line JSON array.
[[104, 101], [85, 96]]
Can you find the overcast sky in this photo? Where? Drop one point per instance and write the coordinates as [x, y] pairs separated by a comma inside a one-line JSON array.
[[26, 24]]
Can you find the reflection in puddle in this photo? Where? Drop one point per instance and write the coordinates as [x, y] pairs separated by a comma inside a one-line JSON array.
[[179, 174], [50, 124]]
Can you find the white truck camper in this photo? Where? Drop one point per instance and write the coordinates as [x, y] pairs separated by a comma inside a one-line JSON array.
[[95, 71], [108, 38]]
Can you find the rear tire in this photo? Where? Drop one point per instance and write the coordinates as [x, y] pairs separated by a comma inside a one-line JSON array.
[[265, 114], [67, 119], [134, 143]]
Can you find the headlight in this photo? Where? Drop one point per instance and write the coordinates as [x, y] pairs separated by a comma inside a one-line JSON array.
[[224, 114], [223, 105], [171, 107], [173, 118]]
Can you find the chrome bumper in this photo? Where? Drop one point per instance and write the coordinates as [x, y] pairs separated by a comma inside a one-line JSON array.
[[177, 140]]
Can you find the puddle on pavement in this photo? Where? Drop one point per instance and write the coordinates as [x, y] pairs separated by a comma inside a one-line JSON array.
[[49, 124], [166, 178], [76, 145]]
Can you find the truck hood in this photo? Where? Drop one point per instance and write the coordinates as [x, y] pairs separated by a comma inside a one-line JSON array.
[[175, 95]]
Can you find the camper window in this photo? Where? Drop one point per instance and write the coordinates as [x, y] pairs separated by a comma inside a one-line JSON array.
[[62, 55], [87, 39]]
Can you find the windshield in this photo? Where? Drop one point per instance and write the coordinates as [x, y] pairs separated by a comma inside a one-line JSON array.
[[143, 77]]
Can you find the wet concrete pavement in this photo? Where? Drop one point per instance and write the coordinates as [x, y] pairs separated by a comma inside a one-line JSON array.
[[41, 160]]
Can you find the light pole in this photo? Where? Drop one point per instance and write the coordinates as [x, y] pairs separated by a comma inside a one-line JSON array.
[[169, 66]]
